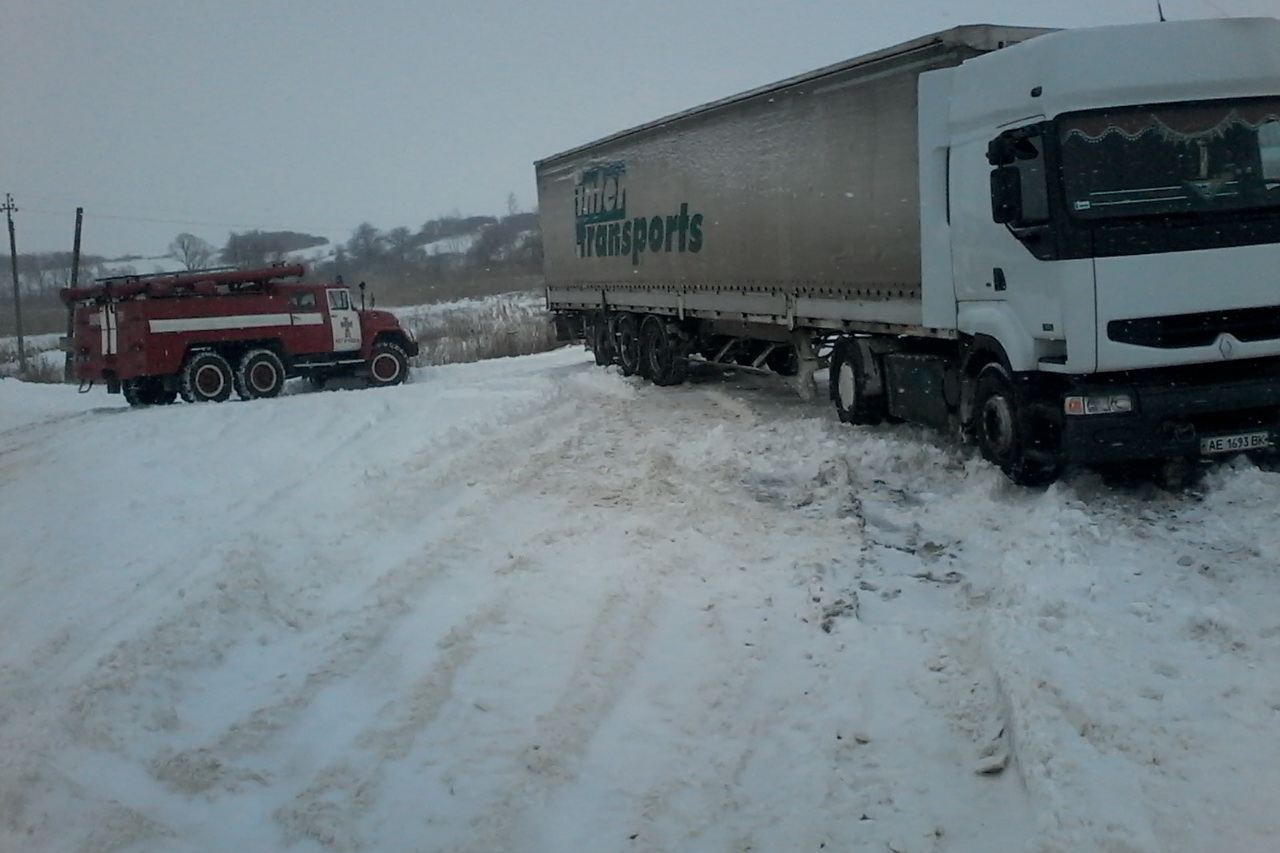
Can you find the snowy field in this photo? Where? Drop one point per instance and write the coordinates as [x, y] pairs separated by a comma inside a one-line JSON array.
[[531, 605]]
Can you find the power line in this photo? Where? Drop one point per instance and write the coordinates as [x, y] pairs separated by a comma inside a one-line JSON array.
[[1221, 11]]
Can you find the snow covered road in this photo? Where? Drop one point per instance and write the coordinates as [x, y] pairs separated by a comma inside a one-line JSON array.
[[531, 605]]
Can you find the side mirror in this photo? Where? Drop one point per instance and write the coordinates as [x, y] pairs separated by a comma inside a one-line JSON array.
[[1006, 195], [1007, 149], [1000, 151]]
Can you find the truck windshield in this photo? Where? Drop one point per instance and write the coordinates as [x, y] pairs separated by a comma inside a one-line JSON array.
[[1171, 159]]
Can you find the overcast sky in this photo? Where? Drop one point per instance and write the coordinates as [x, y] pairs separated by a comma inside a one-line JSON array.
[[164, 116]]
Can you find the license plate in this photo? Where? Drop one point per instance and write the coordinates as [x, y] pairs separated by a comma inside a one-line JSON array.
[[1234, 443]]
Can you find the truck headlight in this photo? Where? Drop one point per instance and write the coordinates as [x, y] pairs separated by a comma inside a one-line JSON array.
[[1098, 404]]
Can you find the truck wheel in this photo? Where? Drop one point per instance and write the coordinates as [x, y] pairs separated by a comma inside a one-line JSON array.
[[388, 365], [628, 337], [848, 385], [1002, 432], [161, 395], [134, 391], [261, 374], [601, 343], [662, 352], [147, 391], [206, 378]]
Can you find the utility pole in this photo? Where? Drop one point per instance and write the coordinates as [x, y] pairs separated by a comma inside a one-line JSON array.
[[75, 280], [9, 209]]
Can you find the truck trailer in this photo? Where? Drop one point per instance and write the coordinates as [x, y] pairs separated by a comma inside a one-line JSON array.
[[1062, 244]]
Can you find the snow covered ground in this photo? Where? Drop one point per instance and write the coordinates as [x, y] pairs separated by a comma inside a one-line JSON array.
[[531, 605]]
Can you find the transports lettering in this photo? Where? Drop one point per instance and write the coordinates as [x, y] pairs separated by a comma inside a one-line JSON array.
[[603, 229], [679, 232]]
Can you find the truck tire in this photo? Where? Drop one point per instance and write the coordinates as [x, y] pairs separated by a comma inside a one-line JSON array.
[[388, 365], [848, 386], [161, 395], [1002, 431], [260, 374], [132, 392], [206, 378], [662, 352], [628, 344], [147, 391], [601, 340]]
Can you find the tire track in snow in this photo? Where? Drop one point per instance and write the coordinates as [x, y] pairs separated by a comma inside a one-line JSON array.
[[512, 454], [633, 470], [892, 551], [318, 811], [330, 809], [1087, 727], [608, 656], [150, 672]]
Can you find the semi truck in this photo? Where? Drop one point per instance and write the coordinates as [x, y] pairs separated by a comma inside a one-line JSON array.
[[205, 333], [1061, 244]]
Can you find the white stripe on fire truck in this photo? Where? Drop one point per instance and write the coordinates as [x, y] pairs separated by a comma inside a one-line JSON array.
[[107, 322], [235, 321]]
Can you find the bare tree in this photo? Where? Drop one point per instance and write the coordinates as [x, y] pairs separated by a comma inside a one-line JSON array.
[[259, 248], [403, 248], [191, 251], [249, 250], [365, 248]]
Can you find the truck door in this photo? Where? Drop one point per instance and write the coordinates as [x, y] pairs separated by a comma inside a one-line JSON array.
[[1040, 309], [344, 320]]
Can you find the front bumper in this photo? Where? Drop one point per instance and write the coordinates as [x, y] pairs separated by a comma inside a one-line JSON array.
[[1171, 416]]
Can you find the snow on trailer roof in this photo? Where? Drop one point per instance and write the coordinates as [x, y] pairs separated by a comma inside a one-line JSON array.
[[970, 39]]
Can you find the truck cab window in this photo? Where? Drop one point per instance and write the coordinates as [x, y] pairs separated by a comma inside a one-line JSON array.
[[1269, 152], [303, 301], [1025, 201], [339, 300], [1189, 159], [1035, 192]]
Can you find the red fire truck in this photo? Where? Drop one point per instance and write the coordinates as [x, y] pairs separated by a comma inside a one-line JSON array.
[[203, 334]]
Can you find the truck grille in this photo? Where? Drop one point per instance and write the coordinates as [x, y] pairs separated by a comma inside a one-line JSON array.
[[1197, 330]]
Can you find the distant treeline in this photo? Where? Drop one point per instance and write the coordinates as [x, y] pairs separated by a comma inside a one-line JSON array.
[[450, 257]]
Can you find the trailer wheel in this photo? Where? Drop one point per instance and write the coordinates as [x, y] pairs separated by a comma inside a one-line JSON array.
[[1003, 431], [206, 378], [628, 346], [601, 342], [848, 386], [261, 374], [388, 365], [662, 352]]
